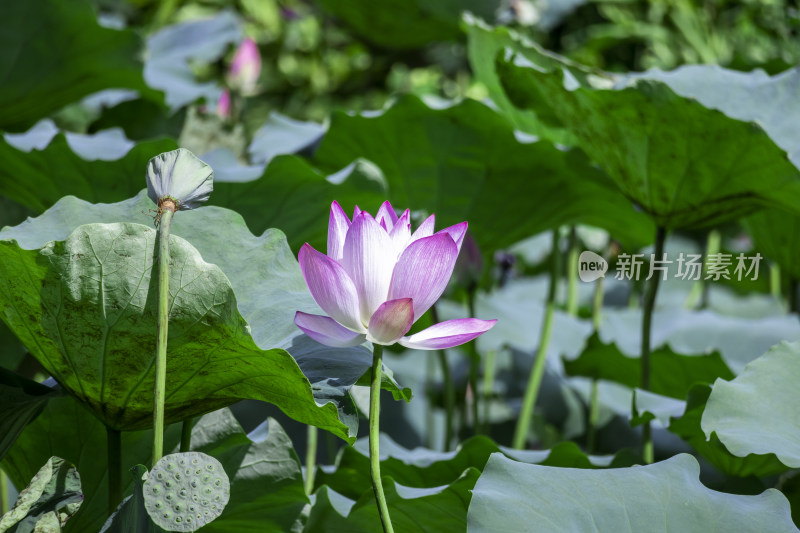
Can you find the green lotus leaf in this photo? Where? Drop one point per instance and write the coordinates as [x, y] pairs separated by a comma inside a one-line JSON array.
[[55, 53], [443, 508], [682, 163], [755, 412], [52, 497], [55, 169], [332, 371], [513, 496], [21, 401], [464, 162], [86, 308], [776, 233]]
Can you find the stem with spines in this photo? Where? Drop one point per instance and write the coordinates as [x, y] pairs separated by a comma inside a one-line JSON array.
[[167, 209], [449, 390], [537, 371], [594, 407], [311, 457], [647, 319], [374, 437], [474, 367]]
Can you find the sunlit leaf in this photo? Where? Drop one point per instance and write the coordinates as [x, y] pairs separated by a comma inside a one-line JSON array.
[[512, 496], [755, 412], [50, 499], [93, 295], [464, 162], [684, 164]]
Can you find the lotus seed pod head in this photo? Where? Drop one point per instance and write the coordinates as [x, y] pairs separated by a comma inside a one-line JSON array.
[[180, 176], [185, 491]]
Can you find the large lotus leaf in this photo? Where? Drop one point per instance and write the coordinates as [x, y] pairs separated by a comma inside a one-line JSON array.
[[52, 497], [672, 374], [398, 24], [66, 429], [21, 401], [464, 163], [756, 413], [738, 340], [424, 468], [276, 280], [294, 197], [55, 53], [131, 515], [687, 426], [483, 46], [751, 96], [776, 233], [171, 50], [86, 308], [682, 163], [412, 510], [267, 492], [283, 135], [38, 174], [512, 496]]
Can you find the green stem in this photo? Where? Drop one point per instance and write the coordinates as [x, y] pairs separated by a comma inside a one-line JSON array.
[[311, 457], [474, 367], [572, 274], [5, 505], [488, 389], [775, 281], [430, 423], [114, 448], [794, 306], [647, 319], [374, 436], [594, 408], [159, 391], [449, 391], [537, 371], [186, 435]]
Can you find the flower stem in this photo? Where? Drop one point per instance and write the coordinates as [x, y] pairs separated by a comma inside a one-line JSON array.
[[114, 448], [186, 435], [647, 318], [312, 434], [474, 367], [537, 370], [488, 389], [374, 436], [159, 391], [449, 390], [572, 274], [594, 408], [4, 503]]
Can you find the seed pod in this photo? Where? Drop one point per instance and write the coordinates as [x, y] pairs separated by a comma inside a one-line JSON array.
[[185, 491]]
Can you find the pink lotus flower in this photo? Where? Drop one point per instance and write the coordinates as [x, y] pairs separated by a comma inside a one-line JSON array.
[[245, 67], [378, 278]]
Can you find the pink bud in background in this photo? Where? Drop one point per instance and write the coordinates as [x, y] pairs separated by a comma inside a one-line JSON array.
[[245, 68], [469, 266], [224, 105]]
